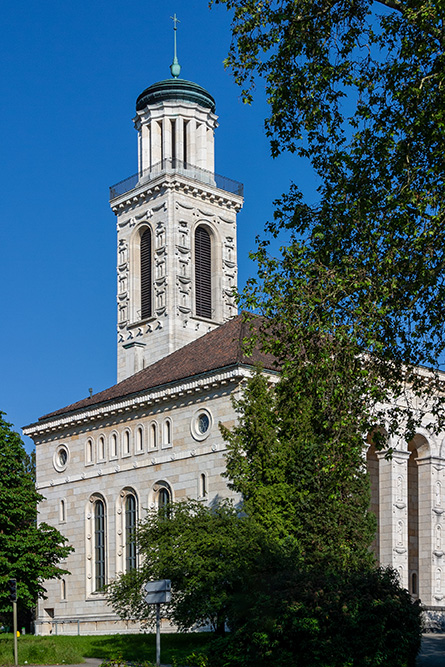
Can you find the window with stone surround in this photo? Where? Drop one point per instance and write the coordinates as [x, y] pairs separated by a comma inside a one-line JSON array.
[[113, 446], [101, 448], [89, 452], [167, 433], [139, 439], [126, 443], [131, 517], [99, 545], [153, 435]]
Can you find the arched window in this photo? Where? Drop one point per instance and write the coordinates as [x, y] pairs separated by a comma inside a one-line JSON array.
[[101, 448], [163, 497], [62, 511], [153, 436], [203, 273], [63, 589], [203, 485], [130, 532], [99, 544], [139, 439], [89, 452], [146, 273], [126, 443], [167, 433], [113, 446]]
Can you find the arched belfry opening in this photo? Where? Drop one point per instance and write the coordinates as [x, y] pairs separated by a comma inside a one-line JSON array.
[[203, 272], [146, 274]]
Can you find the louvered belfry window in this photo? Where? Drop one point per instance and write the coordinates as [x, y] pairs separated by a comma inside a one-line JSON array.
[[146, 271], [203, 273]]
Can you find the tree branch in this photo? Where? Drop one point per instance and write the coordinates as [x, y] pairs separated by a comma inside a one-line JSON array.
[[392, 4]]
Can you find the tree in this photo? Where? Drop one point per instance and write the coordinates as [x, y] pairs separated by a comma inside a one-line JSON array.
[[29, 551], [357, 88], [313, 595], [307, 489], [202, 550]]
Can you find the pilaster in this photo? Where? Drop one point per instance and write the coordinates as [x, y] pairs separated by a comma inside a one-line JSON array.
[[393, 512]]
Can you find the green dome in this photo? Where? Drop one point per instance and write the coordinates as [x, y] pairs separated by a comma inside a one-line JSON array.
[[175, 89]]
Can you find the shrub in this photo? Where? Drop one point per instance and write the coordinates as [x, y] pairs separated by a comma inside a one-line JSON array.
[[319, 619]]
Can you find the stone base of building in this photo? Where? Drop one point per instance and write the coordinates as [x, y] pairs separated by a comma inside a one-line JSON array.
[[97, 626], [433, 619]]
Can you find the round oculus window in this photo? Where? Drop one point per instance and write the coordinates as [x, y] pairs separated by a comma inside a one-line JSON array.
[[201, 424], [61, 457]]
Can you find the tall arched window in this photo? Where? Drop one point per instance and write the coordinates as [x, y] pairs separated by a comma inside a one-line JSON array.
[[146, 273], [163, 497], [130, 532], [99, 544], [203, 273]]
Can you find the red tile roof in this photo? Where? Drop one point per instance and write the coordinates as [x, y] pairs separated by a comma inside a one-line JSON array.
[[221, 348]]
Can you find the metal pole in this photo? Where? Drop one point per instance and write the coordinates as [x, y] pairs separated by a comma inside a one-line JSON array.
[[14, 614], [158, 635]]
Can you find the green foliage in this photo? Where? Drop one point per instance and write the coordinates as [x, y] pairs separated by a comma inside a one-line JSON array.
[[29, 552], [301, 479], [201, 549], [321, 619], [357, 89]]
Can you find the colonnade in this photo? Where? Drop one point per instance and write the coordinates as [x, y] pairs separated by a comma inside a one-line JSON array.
[[407, 497]]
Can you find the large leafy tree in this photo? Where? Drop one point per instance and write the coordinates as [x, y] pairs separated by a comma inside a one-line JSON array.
[[29, 551], [204, 550], [357, 89]]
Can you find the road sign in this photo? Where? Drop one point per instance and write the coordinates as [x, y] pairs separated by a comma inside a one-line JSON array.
[[158, 592]]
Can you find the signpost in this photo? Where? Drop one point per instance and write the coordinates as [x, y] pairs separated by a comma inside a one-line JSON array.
[[12, 585], [158, 592]]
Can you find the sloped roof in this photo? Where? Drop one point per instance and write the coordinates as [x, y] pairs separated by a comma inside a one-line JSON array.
[[221, 348]]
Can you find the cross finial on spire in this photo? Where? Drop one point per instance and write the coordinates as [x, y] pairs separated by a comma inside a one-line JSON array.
[[175, 67]]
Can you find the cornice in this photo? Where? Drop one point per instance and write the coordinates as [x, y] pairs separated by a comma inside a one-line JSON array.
[[179, 183], [141, 399]]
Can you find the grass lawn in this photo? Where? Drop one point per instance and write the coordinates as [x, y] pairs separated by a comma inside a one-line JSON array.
[[138, 647]]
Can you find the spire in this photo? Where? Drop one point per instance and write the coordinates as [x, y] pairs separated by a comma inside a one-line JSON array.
[[175, 67]]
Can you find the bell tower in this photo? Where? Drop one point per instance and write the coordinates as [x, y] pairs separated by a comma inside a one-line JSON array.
[[176, 227]]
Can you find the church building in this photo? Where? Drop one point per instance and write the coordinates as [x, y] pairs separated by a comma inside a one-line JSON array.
[[154, 437]]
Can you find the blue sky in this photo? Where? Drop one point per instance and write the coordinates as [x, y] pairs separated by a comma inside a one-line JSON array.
[[71, 73]]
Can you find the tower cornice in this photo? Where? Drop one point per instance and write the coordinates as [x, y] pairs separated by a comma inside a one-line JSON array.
[[164, 182]]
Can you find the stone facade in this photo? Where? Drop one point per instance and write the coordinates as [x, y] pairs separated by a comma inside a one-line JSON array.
[[125, 449]]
